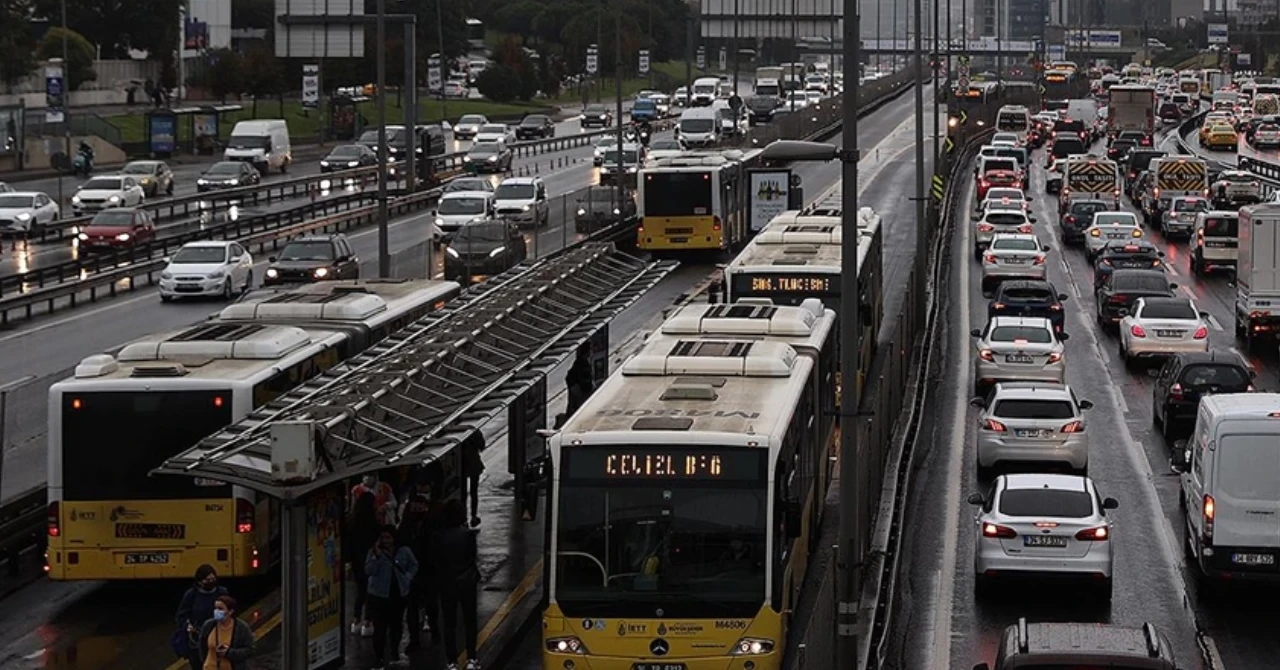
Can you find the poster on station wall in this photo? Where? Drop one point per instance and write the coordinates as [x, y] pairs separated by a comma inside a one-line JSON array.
[[769, 196], [324, 578]]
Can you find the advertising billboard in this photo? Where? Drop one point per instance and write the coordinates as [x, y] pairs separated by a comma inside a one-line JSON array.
[[1217, 33]]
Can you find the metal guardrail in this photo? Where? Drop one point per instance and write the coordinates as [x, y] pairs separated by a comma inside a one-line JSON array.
[[22, 532]]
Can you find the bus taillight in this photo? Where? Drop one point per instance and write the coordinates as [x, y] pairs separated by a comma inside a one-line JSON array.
[[55, 525], [715, 223], [244, 516]]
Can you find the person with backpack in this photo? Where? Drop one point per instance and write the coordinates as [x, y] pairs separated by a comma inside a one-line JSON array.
[[453, 554], [194, 610]]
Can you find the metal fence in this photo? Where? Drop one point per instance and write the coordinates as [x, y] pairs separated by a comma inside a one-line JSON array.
[[24, 412]]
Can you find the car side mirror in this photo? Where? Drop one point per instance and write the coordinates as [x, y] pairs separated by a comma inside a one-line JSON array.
[[1085, 404], [976, 332], [977, 499], [165, 260], [1032, 219], [1110, 503], [1062, 297], [1173, 286], [980, 403], [1063, 337], [1046, 248], [271, 259], [976, 217], [1204, 315]]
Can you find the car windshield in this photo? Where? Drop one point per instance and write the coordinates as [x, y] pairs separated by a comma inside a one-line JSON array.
[[607, 142], [1031, 408], [1047, 502], [1001, 193], [611, 157], [697, 125], [1248, 467], [1088, 208], [472, 120], [1227, 226], [1024, 333], [664, 145], [461, 206], [485, 149], [596, 109], [534, 121], [1114, 219], [515, 192], [224, 168], [644, 104], [307, 251], [251, 141], [482, 232], [394, 136], [1169, 310], [1196, 205], [347, 151], [1208, 374], [1154, 283], [139, 168], [1015, 245], [1238, 177], [1066, 147], [113, 217], [494, 128], [17, 201], [199, 255], [1026, 294], [468, 185], [993, 164], [101, 184]]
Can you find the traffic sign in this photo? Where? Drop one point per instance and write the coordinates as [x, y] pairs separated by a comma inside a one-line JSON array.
[[644, 61], [593, 59], [963, 82], [964, 116], [964, 60], [1042, 89], [939, 187], [949, 145]]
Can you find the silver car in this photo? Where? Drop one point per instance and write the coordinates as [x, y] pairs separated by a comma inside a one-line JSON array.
[[1181, 217], [1016, 256], [1043, 525], [1110, 227], [1032, 422], [1016, 348], [991, 222], [1158, 327], [1015, 197]]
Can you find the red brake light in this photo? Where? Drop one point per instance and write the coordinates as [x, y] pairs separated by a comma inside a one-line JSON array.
[[1071, 218], [989, 259], [998, 306], [997, 531], [1137, 331], [985, 227], [1025, 228], [1055, 357], [994, 426], [54, 521], [1176, 391], [986, 355], [715, 223], [1099, 534], [1074, 427], [1210, 510], [1039, 260], [1201, 333], [244, 516]]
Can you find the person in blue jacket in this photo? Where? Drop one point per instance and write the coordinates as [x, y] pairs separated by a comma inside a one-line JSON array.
[[390, 569]]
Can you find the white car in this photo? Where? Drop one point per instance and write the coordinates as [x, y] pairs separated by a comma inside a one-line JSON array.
[[602, 145], [797, 100], [101, 193], [659, 149], [681, 96], [207, 268], [1004, 138], [1267, 135], [1160, 327], [495, 132], [455, 89], [5, 188], [992, 222], [523, 201], [1032, 422], [1110, 227], [815, 97], [1007, 196], [1013, 256], [457, 209], [1031, 525], [26, 212], [662, 102], [469, 125], [1018, 348]]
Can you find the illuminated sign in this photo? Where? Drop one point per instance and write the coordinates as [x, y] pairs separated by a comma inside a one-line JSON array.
[[763, 285], [665, 463], [151, 531]]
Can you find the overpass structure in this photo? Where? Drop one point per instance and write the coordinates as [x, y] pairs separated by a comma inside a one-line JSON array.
[[992, 47]]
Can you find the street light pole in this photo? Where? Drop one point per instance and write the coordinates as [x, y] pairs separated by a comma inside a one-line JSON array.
[[66, 101], [737, 23], [384, 246], [921, 192], [444, 59]]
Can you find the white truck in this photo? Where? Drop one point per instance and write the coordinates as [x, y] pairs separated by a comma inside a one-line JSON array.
[[1258, 272], [768, 81], [1132, 107]]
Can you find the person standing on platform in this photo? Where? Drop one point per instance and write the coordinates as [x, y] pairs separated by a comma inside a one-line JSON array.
[[383, 495], [391, 569], [359, 534], [226, 642], [196, 608], [580, 381], [472, 468], [453, 554], [415, 533]]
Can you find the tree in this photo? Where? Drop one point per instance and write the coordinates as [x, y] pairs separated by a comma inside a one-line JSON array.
[[17, 44], [80, 56], [226, 74], [120, 25], [499, 84], [263, 75]]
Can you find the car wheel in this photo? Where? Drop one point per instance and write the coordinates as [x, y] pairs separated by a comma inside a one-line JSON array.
[[227, 290], [166, 298]]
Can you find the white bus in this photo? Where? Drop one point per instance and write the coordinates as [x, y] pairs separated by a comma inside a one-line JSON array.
[[1014, 119], [122, 415], [688, 488]]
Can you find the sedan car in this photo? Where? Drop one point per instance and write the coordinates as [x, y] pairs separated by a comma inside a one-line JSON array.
[[1028, 298], [207, 268], [469, 125], [347, 157], [118, 228], [1120, 289], [155, 177], [101, 193], [1119, 149], [1031, 422], [597, 115], [1110, 226], [313, 258], [536, 127], [1043, 525], [1267, 136], [489, 157], [1185, 378], [1218, 136], [1126, 255], [1158, 327], [455, 88], [1014, 348], [470, 184], [483, 248], [1002, 194], [1013, 256], [228, 174], [495, 132], [26, 212]]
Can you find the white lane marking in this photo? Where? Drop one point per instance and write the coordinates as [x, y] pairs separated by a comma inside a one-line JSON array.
[[1213, 323], [1171, 270]]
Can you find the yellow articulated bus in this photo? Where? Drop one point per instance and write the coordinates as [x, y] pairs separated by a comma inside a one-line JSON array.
[[686, 494], [122, 415], [697, 201]]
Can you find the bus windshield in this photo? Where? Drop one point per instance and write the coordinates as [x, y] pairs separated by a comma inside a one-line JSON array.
[[112, 439], [692, 547], [678, 194]]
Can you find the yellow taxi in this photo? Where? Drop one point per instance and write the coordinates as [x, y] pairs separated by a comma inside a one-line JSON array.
[[1217, 136]]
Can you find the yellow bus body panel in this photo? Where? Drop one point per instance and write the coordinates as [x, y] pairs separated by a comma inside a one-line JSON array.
[[679, 233]]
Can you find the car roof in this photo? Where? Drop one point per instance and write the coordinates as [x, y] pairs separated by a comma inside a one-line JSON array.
[[26, 193], [1026, 283], [1041, 389], [209, 243], [1163, 300], [528, 181], [1119, 245], [1046, 480], [1024, 321], [466, 194], [323, 237], [1131, 646], [1015, 236], [1213, 356]]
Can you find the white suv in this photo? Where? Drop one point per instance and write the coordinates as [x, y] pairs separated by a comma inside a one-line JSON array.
[[523, 201]]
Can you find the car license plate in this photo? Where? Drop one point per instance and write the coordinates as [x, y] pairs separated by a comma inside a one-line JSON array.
[[1253, 559], [153, 558], [1015, 261], [1030, 432], [1044, 541], [1018, 358], [657, 666], [1170, 333], [1115, 236]]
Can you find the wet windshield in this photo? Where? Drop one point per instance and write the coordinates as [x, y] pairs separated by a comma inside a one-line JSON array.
[[485, 149], [101, 184], [1024, 333], [481, 232], [1114, 219], [1190, 206], [1169, 310], [1015, 245], [1026, 408], [250, 141], [697, 125], [628, 157], [307, 251], [515, 192], [347, 151], [200, 255], [112, 217], [664, 145], [16, 201], [1048, 503], [469, 185], [471, 120], [225, 168], [140, 168], [462, 206]]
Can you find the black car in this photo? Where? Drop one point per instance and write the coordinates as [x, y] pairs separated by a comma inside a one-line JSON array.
[[1138, 162], [1078, 217], [1029, 298], [313, 258], [1185, 377], [228, 174], [483, 248], [397, 141], [489, 157], [596, 116], [761, 108], [1128, 255], [1120, 148], [1139, 138], [347, 157], [1170, 113], [430, 140], [1121, 288], [1066, 145], [600, 207], [1069, 127], [536, 127]]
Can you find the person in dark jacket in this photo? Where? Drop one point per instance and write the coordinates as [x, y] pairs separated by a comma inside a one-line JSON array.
[[580, 381], [360, 534], [453, 554], [472, 468], [225, 642], [414, 532], [391, 569], [197, 607]]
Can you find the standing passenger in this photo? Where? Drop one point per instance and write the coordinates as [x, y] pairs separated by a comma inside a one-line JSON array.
[[453, 553], [360, 534]]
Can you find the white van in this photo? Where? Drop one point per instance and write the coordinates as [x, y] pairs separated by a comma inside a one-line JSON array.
[[264, 142], [1231, 486], [699, 127], [1215, 241], [457, 209], [730, 122], [705, 90]]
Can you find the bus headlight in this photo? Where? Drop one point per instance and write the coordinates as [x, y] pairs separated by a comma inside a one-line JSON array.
[[566, 645], [752, 646]]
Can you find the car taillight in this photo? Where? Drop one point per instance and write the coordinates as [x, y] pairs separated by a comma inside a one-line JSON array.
[[1099, 534], [1055, 357], [1070, 218], [997, 306], [983, 182], [1176, 391], [1039, 260], [1210, 510], [986, 355], [1105, 261], [54, 521], [1137, 331], [1025, 228], [985, 227], [244, 516], [715, 223], [997, 531], [989, 259], [1249, 389], [1201, 333], [994, 426], [1074, 427]]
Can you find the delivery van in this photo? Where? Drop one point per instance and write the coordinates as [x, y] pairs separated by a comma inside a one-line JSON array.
[[263, 142]]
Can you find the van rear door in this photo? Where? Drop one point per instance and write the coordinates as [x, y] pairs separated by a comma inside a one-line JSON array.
[[1246, 493]]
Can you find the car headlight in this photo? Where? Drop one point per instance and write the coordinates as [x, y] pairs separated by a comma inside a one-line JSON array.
[[497, 252], [324, 163], [24, 216], [123, 237], [75, 199], [320, 273], [235, 182], [466, 159], [582, 212], [83, 236], [217, 273], [566, 645], [451, 251], [273, 273], [146, 180], [493, 159], [526, 208], [616, 210], [114, 199], [202, 181], [752, 646], [353, 163], [632, 169]]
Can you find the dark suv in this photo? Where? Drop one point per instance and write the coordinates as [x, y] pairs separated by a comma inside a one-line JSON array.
[[1122, 255], [1138, 162], [313, 258], [1078, 218], [1120, 289], [1185, 377], [536, 127], [596, 116], [1030, 298], [1055, 646]]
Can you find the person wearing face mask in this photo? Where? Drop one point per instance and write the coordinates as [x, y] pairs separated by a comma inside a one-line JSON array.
[[225, 642], [384, 497], [391, 569], [197, 607]]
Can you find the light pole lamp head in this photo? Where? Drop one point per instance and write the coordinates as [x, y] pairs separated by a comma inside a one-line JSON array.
[[794, 150]]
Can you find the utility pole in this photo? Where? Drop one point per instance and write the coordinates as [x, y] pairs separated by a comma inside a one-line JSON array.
[[444, 60], [852, 533], [66, 101], [600, 42], [617, 75], [737, 23], [921, 191], [688, 59], [384, 245]]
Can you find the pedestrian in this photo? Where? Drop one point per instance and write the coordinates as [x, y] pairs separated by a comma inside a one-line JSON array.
[[196, 608], [472, 468], [453, 552], [360, 534], [226, 642], [383, 495], [415, 533], [580, 381], [391, 569]]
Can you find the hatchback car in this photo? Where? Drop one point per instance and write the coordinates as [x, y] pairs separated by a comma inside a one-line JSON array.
[[313, 258], [600, 207], [993, 222], [1013, 348], [1017, 256], [1077, 218], [1185, 378], [495, 132], [348, 157], [1014, 196], [1234, 188], [1159, 327], [1120, 289], [207, 268], [489, 157], [119, 228], [228, 174], [1031, 422], [1267, 136], [1131, 255], [155, 177], [1043, 526], [1109, 227], [1028, 298], [101, 193], [26, 212], [483, 248]]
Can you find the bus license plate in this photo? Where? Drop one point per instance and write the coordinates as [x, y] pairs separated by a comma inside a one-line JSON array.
[[678, 240], [152, 558], [657, 666], [1253, 559]]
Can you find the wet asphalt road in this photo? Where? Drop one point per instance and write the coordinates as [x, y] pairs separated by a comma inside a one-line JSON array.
[[939, 625]]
